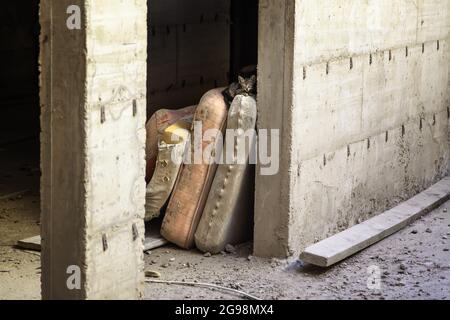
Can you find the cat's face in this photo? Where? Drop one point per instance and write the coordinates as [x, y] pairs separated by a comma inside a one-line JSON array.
[[248, 85]]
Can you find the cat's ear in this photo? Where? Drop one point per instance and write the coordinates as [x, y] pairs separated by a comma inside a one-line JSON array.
[[253, 79], [241, 80]]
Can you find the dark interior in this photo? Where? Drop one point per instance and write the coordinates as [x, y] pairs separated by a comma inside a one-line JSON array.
[[244, 35], [195, 46], [19, 83], [19, 96]]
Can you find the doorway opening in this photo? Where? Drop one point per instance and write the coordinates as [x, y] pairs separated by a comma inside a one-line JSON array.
[[195, 46]]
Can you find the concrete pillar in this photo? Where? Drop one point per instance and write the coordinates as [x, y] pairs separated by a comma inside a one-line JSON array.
[[359, 91], [275, 72], [93, 112], [448, 56]]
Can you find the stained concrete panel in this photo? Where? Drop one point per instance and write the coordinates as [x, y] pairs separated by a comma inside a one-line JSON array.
[[377, 94], [93, 96], [115, 154], [332, 29], [370, 115], [363, 114]]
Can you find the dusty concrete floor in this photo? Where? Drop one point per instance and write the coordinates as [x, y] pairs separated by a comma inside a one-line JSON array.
[[19, 218], [414, 263]]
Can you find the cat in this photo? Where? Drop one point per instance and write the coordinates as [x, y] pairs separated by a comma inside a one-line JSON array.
[[246, 85]]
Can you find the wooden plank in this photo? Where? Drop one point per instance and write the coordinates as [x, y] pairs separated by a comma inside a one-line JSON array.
[[153, 238], [13, 195], [33, 243], [152, 241], [341, 246]]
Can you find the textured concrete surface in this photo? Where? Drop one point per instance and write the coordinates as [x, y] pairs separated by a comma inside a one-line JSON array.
[[93, 96], [412, 264], [361, 104]]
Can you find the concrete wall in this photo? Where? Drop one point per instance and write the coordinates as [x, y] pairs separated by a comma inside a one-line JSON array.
[[189, 51], [364, 115], [93, 97]]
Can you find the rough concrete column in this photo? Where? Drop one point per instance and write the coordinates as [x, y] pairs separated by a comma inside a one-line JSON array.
[[275, 72], [93, 101]]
